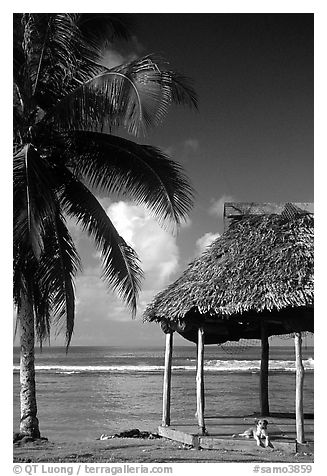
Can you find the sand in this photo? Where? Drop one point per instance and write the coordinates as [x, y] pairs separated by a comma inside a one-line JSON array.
[[137, 450]]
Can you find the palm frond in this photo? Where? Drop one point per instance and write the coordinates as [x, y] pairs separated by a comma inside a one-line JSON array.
[[181, 89], [18, 51], [119, 261], [142, 172], [51, 46], [61, 90], [135, 96], [57, 269], [100, 29], [54, 52], [33, 197]]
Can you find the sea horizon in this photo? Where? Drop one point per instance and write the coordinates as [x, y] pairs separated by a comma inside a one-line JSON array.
[[157, 346]]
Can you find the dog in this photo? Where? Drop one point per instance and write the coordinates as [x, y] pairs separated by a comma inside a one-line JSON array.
[[259, 432]]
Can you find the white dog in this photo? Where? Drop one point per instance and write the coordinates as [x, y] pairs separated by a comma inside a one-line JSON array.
[[259, 432]]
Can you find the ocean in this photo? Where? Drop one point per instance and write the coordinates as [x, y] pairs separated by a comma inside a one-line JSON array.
[[95, 390]]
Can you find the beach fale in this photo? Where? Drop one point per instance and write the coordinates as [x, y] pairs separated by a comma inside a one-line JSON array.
[[253, 282]]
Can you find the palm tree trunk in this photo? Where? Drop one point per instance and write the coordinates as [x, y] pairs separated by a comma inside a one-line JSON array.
[[29, 423]]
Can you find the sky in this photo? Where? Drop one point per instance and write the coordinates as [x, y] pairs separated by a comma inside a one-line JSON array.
[[251, 140]]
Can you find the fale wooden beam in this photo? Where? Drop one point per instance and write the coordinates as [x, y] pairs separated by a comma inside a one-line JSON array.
[[167, 380], [200, 382], [299, 389], [264, 372]]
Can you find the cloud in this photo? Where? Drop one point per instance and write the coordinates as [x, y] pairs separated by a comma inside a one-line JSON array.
[[159, 256], [216, 209], [123, 54], [217, 206], [74, 230], [112, 58], [156, 248], [204, 241]]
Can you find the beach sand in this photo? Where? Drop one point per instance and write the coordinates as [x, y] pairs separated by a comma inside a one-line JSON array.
[[137, 450]]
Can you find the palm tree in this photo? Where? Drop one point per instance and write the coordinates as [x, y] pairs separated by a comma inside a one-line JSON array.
[[67, 106]]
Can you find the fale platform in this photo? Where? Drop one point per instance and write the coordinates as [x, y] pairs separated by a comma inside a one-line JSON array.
[[281, 429]]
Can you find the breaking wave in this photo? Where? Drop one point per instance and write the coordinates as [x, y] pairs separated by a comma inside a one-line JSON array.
[[219, 366]]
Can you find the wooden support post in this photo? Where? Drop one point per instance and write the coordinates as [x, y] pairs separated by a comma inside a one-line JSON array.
[[200, 382], [264, 372], [299, 389], [167, 380]]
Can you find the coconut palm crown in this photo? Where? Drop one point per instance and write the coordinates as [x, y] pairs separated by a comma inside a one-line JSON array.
[[66, 107]]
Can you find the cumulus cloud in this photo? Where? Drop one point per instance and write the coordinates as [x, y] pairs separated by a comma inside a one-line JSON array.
[[112, 58], [216, 209], [217, 206], [74, 230], [159, 256], [205, 240], [156, 248]]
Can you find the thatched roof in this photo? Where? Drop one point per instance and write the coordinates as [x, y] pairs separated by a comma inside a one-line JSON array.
[[261, 264]]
